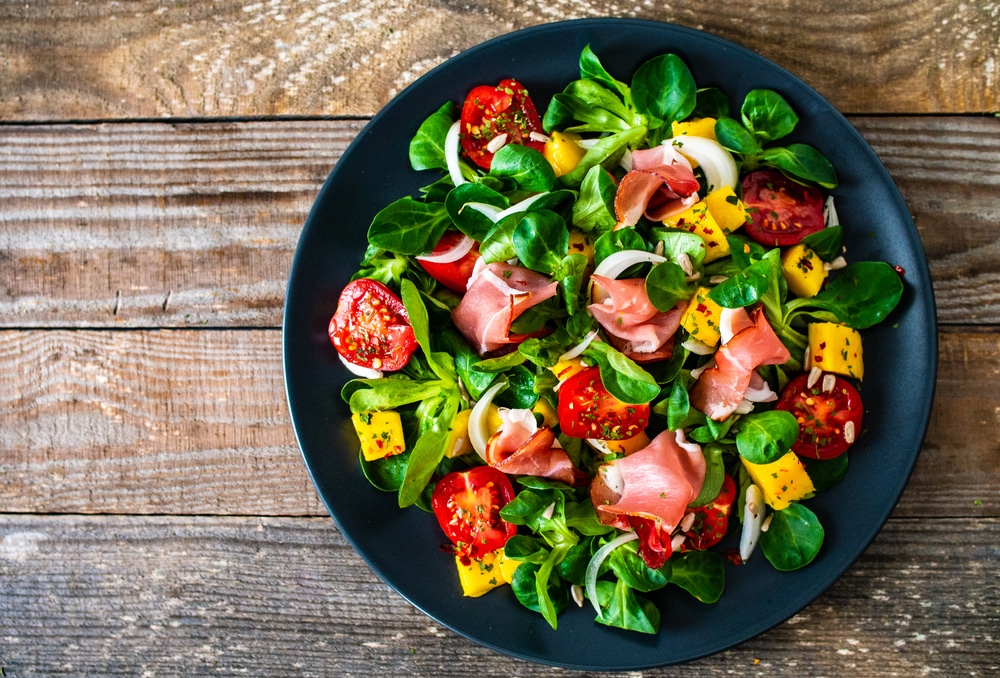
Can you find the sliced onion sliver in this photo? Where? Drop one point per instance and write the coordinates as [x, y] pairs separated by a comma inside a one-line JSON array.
[[455, 253], [579, 348], [716, 162], [451, 146], [360, 370], [751, 521], [616, 264], [479, 430], [697, 347], [594, 566], [495, 214], [830, 213]]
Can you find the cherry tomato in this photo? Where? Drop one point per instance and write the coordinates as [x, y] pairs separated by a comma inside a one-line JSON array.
[[829, 421], [782, 212], [371, 327], [587, 410], [452, 274], [467, 505], [711, 520], [489, 112]]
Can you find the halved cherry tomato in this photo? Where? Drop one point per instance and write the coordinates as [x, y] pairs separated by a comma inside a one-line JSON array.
[[452, 274], [587, 410], [371, 327], [711, 520], [829, 421], [467, 506], [489, 112], [782, 212]]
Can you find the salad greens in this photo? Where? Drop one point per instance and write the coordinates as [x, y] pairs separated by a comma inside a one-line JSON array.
[[561, 225]]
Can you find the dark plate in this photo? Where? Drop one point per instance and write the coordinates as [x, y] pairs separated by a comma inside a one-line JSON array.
[[401, 546]]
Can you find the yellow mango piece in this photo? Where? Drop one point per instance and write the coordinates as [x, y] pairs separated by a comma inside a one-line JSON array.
[[381, 434], [702, 127], [563, 152], [564, 369], [485, 574], [836, 348], [458, 435], [548, 413], [581, 243], [727, 210], [782, 481], [697, 219], [803, 271], [701, 318]]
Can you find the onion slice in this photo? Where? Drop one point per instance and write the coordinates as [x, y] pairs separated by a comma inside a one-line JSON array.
[[451, 146], [753, 517], [579, 348], [715, 161], [594, 566], [459, 250], [479, 429], [614, 265], [360, 370]]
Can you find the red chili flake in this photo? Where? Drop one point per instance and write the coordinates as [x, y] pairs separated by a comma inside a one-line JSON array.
[[900, 270]]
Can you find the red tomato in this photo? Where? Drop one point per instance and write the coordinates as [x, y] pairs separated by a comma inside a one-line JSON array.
[[489, 112], [371, 327], [711, 520], [587, 410], [467, 505], [829, 421], [782, 212], [452, 274]]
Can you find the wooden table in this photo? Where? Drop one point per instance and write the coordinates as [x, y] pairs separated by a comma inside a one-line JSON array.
[[157, 162]]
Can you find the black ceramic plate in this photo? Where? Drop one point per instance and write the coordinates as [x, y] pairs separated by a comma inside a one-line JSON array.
[[401, 546]]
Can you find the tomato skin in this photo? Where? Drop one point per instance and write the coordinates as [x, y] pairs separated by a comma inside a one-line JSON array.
[[467, 506], [823, 416], [490, 111], [452, 274], [587, 410], [371, 327], [782, 212], [712, 519]]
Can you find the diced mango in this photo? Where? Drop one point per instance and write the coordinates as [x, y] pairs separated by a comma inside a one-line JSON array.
[[702, 127], [485, 574], [381, 434], [701, 318], [803, 270], [782, 481], [564, 369], [697, 219], [548, 413], [459, 442], [581, 243], [836, 348], [563, 152], [727, 210]]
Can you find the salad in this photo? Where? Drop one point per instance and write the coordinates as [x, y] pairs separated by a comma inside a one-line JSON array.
[[603, 338]]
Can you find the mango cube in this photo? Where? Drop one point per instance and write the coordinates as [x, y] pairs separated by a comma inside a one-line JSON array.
[[564, 369], [459, 442], [702, 127], [727, 210], [581, 243], [563, 152], [380, 433], [697, 219], [836, 348], [701, 318], [544, 409], [803, 271], [782, 481], [485, 574]]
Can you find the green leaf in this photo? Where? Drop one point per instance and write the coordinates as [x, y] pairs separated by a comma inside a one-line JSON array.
[[861, 295], [428, 451], [666, 285], [793, 539], [385, 474], [746, 287], [826, 243], [623, 378], [440, 363], [525, 166], [470, 220], [610, 149], [802, 161], [390, 393], [621, 608], [715, 474], [765, 437], [409, 226], [618, 241], [711, 102], [700, 573], [825, 473], [630, 568], [767, 115], [664, 89], [732, 136], [427, 146], [591, 67], [595, 209], [677, 242], [541, 240]]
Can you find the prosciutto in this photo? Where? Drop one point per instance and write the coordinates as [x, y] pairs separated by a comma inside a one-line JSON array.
[[660, 183], [521, 447], [648, 491], [636, 327], [722, 387], [497, 294]]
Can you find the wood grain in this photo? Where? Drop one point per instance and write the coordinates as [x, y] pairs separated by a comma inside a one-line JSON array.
[[195, 422], [152, 59], [195, 224], [120, 596]]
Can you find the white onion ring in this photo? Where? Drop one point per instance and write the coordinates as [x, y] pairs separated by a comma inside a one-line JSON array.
[[715, 161], [614, 265], [479, 430], [360, 370], [459, 250], [594, 566], [451, 146], [579, 348], [751, 521]]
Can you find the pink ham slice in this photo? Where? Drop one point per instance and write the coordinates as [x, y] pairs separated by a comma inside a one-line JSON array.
[[636, 327], [498, 293], [661, 183], [654, 487], [521, 447], [720, 389]]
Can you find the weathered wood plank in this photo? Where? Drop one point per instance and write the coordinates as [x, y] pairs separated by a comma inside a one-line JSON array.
[[195, 422], [177, 225], [115, 596], [154, 59]]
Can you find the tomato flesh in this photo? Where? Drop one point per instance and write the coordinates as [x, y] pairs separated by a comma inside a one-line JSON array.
[[371, 328], [467, 506], [711, 520], [489, 112], [452, 274], [782, 212], [829, 420], [587, 410]]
